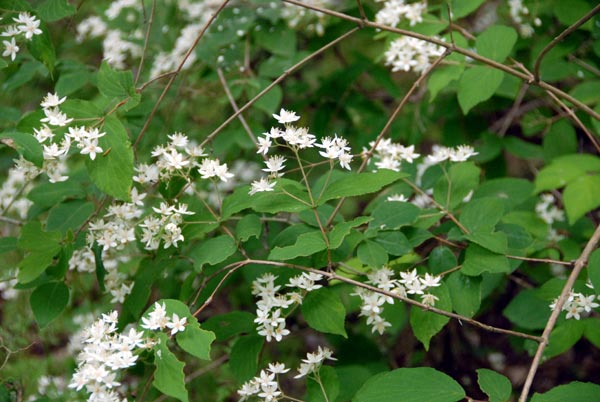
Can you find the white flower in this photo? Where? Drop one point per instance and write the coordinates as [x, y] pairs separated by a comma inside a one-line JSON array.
[[52, 100], [10, 48], [430, 280], [397, 197], [261, 185], [278, 368], [429, 299], [176, 324], [28, 25], [274, 165], [90, 147], [286, 116], [462, 153], [263, 145]]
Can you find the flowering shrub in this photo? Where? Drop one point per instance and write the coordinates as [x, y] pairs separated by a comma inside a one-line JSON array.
[[299, 200]]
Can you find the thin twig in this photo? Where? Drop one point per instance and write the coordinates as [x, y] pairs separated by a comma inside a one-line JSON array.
[[176, 73], [10, 220], [544, 260], [282, 77], [579, 265], [473, 55], [361, 10], [563, 34], [512, 113], [146, 41]]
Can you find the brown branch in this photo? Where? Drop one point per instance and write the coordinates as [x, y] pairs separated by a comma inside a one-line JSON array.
[[176, 73], [579, 265], [556, 40], [512, 113], [543, 260], [283, 76], [492, 63]]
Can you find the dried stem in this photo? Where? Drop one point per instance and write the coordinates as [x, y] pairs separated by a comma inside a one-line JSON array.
[[579, 265]]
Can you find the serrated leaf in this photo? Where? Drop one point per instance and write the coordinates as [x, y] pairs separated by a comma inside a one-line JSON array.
[[324, 311], [572, 392], [168, 376], [479, 260], [372, 254], [564, 337], [482, 215], [496, 42], [580, 197], [565, 169], [195, 340], [213, 251], [249, 226], [450, 190], [306, 244], [394, 215], [42, 247], [421, 384], [112, 171], [69, 215], [50, 194], [425, 324], [48, 301], [394, 243], [477, 85], [54, 10], [496, 386], [243, 360], [341, 230], [25, 144], [354, 184], [113, 83]]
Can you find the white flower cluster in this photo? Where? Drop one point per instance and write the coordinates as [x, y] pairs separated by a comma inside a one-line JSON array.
[[518, 12], [577, 304], [394, 11], [406, 54], [312, 21], [410, 283], [166, 227], [13, 192], [7, 289], [266, 387], [295, 138], [547, 210], [26, 27], [269, 308], [104, 354], [158, 320]]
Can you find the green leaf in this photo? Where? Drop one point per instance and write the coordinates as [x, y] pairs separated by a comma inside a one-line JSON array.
[[69, 215], [528, 311], [565, 169], [50, 194], [421, 384], [224, 326], [339, 232], [372, 254], [462, 8], [42, 247], [394, 215], [112, 171], [425, 324], [441, 78], [592, 331], [580, 197], [482, 215], [243, 360], [465, 292], [572, 392], [7, 244], [70, 82], [213, 251], [48, 301], [324, 311], [477, 85], [283, 44], [113, 83], [441, 259], [329, 385], [148, 272], [523, 149], [496, 42], [594, 268], [306, 244], [26, 145], [15, 5], [168, 377], [249, 226], [195, 340], [564, 337], [559, 140], [354, 184], [461, 180], [54, 10], [42, 49], [496, 386], [479, 260], [394, 243], [510, 191]]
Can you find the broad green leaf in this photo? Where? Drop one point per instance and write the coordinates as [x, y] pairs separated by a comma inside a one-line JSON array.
[[523, 149], [195, 340], [243, 360], [341, 230], [510, 191], [283, 44], [354, 184], [372, 254], [50, 194], [572, 392], [586, 92], [496, 42], [580, 196], [249, 226], [25, 144], [441, 78], [477, 85], [462, 8], [54, 10], [113, 83], [560, 140], [462, 179], [482, 215], [42, 48], [48, 301], [465, 293], [112, 171], [351, 379], [42, 247], [479, 260], [7, 244], [563, 337], [421, 384], [168, 377], [269, 102], [70, 82], [394, 215], [594, 268], [496, 241], [496, 386], [69, 215], [565, 169], [148, 272], [224, 326], [441, 259], [213, 251], [425, 324], [306, 244], [324, 311], [528, 311], [15, 5], [394, 243], [592, 331], [330, 386]]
